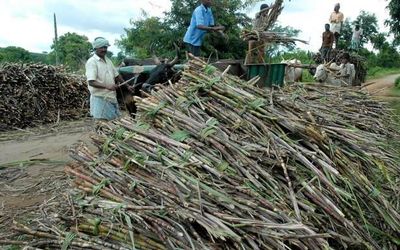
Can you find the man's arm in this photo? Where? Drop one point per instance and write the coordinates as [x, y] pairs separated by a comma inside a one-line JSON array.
[[331, 40], [210, 28], [201, 22], [119, 79], [91, 76], [100, 85]]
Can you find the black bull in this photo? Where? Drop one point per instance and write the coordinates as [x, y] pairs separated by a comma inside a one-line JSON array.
[[162, 74]]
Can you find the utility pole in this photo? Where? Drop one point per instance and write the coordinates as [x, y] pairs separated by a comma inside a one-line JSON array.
[[55, 38]]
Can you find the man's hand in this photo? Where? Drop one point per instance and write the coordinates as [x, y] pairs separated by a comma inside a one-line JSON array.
[[112, 87], [131, 89], [218, 28]]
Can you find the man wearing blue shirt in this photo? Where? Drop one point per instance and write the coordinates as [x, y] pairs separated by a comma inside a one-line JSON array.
[[202, 21]]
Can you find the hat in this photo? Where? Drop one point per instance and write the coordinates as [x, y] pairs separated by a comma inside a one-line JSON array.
[[263, 6], [100, 42]]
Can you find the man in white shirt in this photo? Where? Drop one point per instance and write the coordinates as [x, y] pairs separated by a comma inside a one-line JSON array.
[[101, 77], [347, 71], [356, 38], [336, 20]]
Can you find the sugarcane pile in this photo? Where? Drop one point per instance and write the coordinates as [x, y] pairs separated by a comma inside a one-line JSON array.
[[264, 22], [269, 37], [336, 56], [33, 94], [213, 162]]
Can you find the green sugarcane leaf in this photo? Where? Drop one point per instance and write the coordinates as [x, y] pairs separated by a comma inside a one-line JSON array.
[[142, 126], [180, 135], [100, 186], [207, 132], [257, 103], [212, 122], [96, 223], [187, 155], [131, 235], [132, 186], [223, 166], [119, 134], [69, 237], [209, 69], [153, 113]]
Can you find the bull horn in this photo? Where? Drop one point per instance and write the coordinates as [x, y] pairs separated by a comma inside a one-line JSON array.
[[156, 59], [153, 54], [175, 60]]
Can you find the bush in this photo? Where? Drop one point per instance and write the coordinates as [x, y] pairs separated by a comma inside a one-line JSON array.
[[397, 82]]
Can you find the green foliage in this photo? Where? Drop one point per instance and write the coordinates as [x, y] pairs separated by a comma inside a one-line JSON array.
[[73, 50], [14, 54], [147, 34], [377, 72], [180, 135], [160, 34], [368, 23], [277, 50], [388, 57], [397, 82], [346, 34], [394, 21], [40, 57]]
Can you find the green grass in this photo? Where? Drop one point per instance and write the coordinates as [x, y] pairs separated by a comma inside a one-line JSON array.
[[395, 92], [397, 83], [377, 72]]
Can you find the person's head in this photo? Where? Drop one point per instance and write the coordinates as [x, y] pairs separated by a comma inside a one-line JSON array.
[[337, 7], [263, 6], [345, 58], [327, 27], [357, 26], [206, 3], [100, 45]]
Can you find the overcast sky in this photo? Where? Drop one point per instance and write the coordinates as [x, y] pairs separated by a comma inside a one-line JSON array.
[[29, 23]]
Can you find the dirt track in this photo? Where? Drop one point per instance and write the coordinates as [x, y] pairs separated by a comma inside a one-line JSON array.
[[382, 87], [31, 166]]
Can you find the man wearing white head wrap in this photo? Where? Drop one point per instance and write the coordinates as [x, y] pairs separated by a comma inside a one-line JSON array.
[[336, 20], [101, 77]]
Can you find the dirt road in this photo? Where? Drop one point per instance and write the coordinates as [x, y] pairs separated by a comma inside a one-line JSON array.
[[31, 166], [382, 87]]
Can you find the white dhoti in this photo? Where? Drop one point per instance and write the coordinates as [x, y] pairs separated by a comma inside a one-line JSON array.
[[335, 27]]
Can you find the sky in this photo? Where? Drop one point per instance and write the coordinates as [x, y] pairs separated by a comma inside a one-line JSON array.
[[29, 23]]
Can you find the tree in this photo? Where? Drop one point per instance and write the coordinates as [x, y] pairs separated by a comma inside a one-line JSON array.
[[274, 50], [346, 34], [394, 21], [388, 56], [162, 33], [379, 40], [73, 50], [144, 35], [369, 23], [14, 54]]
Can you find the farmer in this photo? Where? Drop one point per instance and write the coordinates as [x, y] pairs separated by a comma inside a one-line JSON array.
[[202, 21], [336, 20], [101, 76], [356, 38], [347, 71], [327, 42], [257, 48]]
